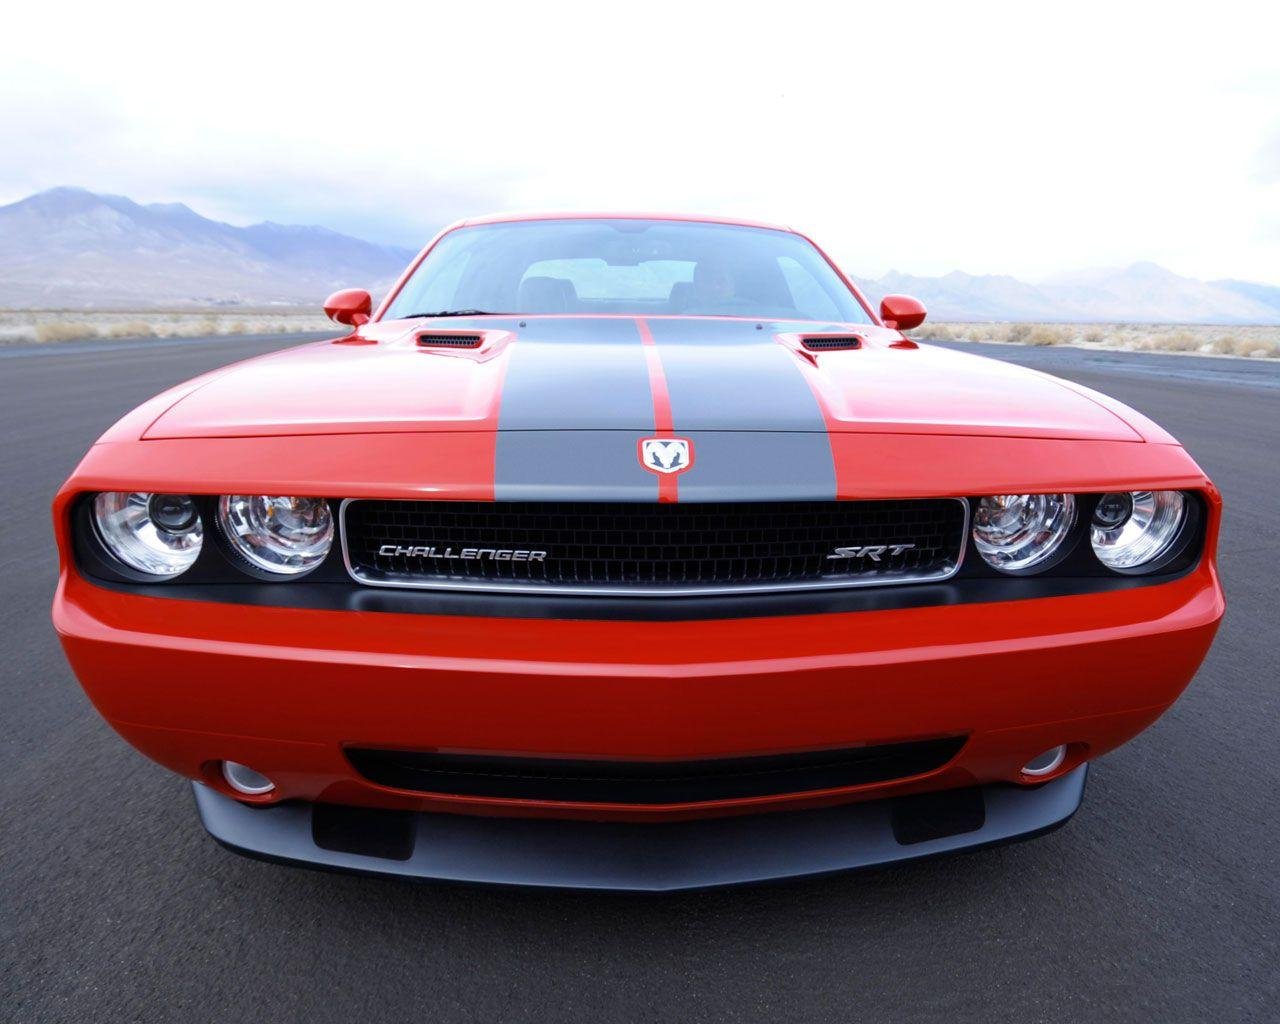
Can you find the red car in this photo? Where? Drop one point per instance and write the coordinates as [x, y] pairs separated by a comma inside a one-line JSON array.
[[634, 552]]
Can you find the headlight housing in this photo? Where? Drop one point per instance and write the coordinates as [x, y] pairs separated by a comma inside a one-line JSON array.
[[276, 535], [1021, 533], [1133, 531], [158, 535]]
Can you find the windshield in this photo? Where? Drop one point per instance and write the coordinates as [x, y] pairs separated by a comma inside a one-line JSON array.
[[634, 267]]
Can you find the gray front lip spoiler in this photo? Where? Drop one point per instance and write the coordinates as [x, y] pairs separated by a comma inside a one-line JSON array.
[[640, 857]]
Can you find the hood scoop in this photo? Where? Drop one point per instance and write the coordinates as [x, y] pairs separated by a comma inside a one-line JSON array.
[[830, 342], [449, 339]]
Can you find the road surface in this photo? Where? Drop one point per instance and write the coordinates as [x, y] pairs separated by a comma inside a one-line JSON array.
[[1160, 901]]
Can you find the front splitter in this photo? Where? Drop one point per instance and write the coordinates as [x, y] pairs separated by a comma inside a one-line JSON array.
[[659, 857]]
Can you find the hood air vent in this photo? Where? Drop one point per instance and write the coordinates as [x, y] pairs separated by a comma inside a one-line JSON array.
[[428, 340], [830, 342]]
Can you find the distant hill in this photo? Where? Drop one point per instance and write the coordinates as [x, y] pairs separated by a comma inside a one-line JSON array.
[[68, 247], [74, 248], [1141, 293]]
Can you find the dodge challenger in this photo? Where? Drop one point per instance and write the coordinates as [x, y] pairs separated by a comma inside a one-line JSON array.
[[631, 552]]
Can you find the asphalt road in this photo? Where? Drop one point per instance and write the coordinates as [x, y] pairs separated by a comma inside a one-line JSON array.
[[1160, 901]]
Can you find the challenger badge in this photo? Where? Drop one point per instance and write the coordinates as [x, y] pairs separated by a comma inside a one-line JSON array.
[[666, 454]]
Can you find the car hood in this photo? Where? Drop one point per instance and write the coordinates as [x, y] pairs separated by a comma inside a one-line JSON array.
[[689, 374]]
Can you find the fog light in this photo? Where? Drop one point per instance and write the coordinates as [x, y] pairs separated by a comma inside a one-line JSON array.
[[244, 779], [1046, 762]]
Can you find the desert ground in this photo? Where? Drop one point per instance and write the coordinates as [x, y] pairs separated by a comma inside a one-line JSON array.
[[18, 326], [44, 326], [1251, 342]]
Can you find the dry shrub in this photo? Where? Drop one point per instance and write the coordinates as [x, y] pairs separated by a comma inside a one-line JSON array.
[[1169, 341], [935, 332], [1255, 348], [1016, 333], [193, 327], [1095, 335], [64, 330], [131, 329], [1043, 334], [1176, 341]]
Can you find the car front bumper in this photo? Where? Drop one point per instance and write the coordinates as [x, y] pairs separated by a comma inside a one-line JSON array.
[[647, 858], [288, 690]]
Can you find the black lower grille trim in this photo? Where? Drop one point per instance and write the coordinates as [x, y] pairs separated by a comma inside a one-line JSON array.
[[650, 782]]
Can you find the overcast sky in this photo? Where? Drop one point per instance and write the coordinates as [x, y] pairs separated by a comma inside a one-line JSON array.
[[1024, 138]]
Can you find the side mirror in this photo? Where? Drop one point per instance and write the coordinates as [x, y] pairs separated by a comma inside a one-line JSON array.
[[350, 307], [901, 312]]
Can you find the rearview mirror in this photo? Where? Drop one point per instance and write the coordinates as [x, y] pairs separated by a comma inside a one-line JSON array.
[[350, 307], [901, 312]]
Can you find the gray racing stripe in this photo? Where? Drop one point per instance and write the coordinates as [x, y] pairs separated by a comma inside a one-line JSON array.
[[580, 465], [576, 374], [575, 400], [726, 375], [758, 466], [758, 431]]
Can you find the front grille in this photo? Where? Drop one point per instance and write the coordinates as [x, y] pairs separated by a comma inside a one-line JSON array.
[[650, 782], [628, 548]]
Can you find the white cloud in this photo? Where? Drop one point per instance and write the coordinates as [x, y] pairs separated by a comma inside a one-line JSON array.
[[999, 138]]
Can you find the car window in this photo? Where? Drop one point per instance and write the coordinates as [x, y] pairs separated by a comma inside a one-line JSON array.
[[628, 266], [593, 278], [807, 291]]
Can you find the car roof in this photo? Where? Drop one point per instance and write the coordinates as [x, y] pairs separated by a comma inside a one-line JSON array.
[[501, 218]]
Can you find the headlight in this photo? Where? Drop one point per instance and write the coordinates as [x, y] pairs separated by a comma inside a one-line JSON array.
[[1132, 530], [1017, 532], [278, 535], [156, 534]]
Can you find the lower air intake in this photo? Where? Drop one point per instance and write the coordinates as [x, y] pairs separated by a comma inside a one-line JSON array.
[[650, 782]]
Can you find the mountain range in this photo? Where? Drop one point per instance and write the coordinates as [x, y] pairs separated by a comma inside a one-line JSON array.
[[71, 248], [1139, 293]]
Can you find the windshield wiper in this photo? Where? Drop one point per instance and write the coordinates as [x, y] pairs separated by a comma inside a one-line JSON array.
[[455, 312]]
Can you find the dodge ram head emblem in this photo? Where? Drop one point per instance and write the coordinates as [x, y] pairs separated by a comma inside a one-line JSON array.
[[666, 454]]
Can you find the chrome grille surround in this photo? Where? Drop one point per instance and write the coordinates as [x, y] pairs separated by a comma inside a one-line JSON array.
[[484, 575]]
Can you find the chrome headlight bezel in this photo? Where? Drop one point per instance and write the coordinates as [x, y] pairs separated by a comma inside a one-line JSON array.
[[150, 537], [1038, 530], [1138, 533], [261, 544]]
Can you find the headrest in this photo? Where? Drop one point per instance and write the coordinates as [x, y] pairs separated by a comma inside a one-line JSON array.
[[547, 295], [680, 297]]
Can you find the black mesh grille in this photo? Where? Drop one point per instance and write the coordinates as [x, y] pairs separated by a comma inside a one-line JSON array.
[[449, 340], [830, 342], [650, 782], [653, 547]]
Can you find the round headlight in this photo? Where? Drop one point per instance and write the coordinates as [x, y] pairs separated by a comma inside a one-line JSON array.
[[156, 534], [278, 535], [1018, 532], [1133, 530]]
